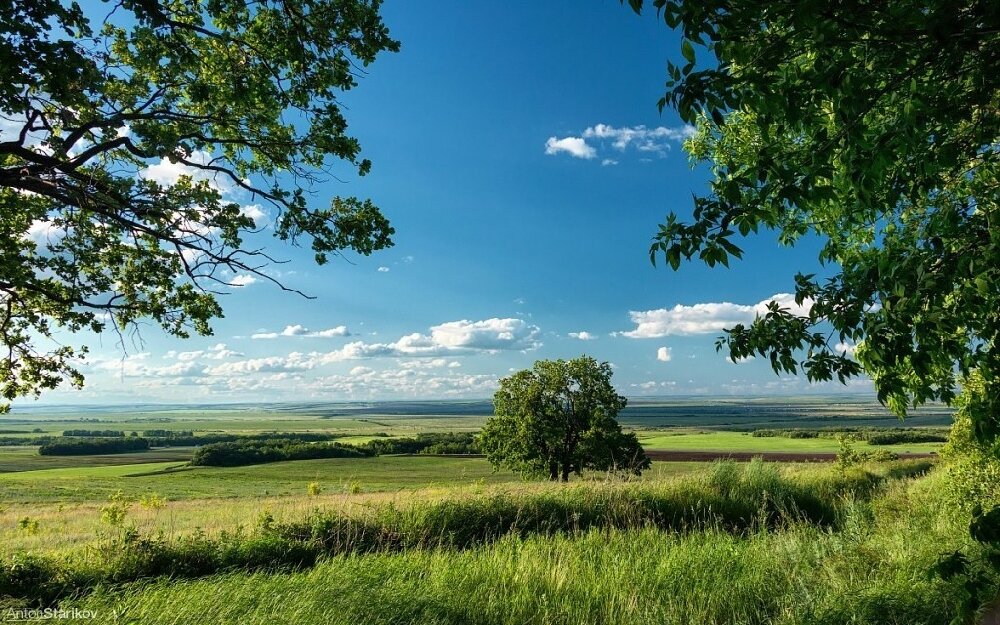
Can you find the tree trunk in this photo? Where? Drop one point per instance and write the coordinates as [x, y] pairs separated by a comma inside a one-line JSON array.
[[565, 472], [553, 471]]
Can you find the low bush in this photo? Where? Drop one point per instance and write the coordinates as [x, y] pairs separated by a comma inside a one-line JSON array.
[[907, 436], [94, 433]]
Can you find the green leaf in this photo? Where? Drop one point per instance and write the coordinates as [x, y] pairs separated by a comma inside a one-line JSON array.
[[687, 50]]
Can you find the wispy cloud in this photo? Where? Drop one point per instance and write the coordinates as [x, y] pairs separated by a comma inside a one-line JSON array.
[[303, 332], [602, 137], [583, 336], [640, 137], [243, 279]]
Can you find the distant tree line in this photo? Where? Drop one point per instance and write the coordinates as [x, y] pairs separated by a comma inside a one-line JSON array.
[[166, 433], [874, 436], [247, 451], [189, 439], [236, 450], [436, 443], [93, 446], [259, 451], [25, 441]]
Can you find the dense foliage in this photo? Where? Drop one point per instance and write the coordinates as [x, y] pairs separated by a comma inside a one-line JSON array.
[[258, 451], [241, 100], [425, 443], [873, 126], [92, 446], [558, 418], [278, 447], [973, 464]]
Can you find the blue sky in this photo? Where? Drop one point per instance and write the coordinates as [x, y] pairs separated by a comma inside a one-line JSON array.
[[519, 154]]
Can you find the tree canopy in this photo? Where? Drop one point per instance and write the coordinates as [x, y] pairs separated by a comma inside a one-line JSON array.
[[875, 126], [558, 418], [240, 98]]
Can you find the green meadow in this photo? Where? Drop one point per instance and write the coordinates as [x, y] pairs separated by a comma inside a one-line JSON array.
[[744, 442], [142, 537]]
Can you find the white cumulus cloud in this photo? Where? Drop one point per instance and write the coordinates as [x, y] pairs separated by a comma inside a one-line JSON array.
[[576, 147], [663, 354], [705, 318], [44, 233], [583, 335], [452, 338], [255, 212]]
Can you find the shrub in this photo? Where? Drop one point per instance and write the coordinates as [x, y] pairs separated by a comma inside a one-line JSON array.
[[98, 433], [907, 436], [153, 501], [28, 525]]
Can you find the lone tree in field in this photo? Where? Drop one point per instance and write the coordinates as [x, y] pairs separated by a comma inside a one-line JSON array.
[[559, 418], [874, 126], [141, 145]]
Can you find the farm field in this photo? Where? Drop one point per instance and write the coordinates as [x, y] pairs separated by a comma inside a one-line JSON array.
[[175, 481], [744, 442], [366, 418], [24, 458]]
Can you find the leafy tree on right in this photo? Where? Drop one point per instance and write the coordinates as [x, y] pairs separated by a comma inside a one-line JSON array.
[[876, 126]]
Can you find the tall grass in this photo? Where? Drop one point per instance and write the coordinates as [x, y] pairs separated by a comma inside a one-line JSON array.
[[871, 570], [730, 497]]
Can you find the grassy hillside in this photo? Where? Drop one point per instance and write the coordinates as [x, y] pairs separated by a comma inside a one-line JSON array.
[[728, 543]]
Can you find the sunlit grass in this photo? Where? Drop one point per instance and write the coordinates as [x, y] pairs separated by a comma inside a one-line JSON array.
[[870, 570]]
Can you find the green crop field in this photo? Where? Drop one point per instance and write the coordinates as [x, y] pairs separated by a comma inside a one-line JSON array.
[[744, 442]]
